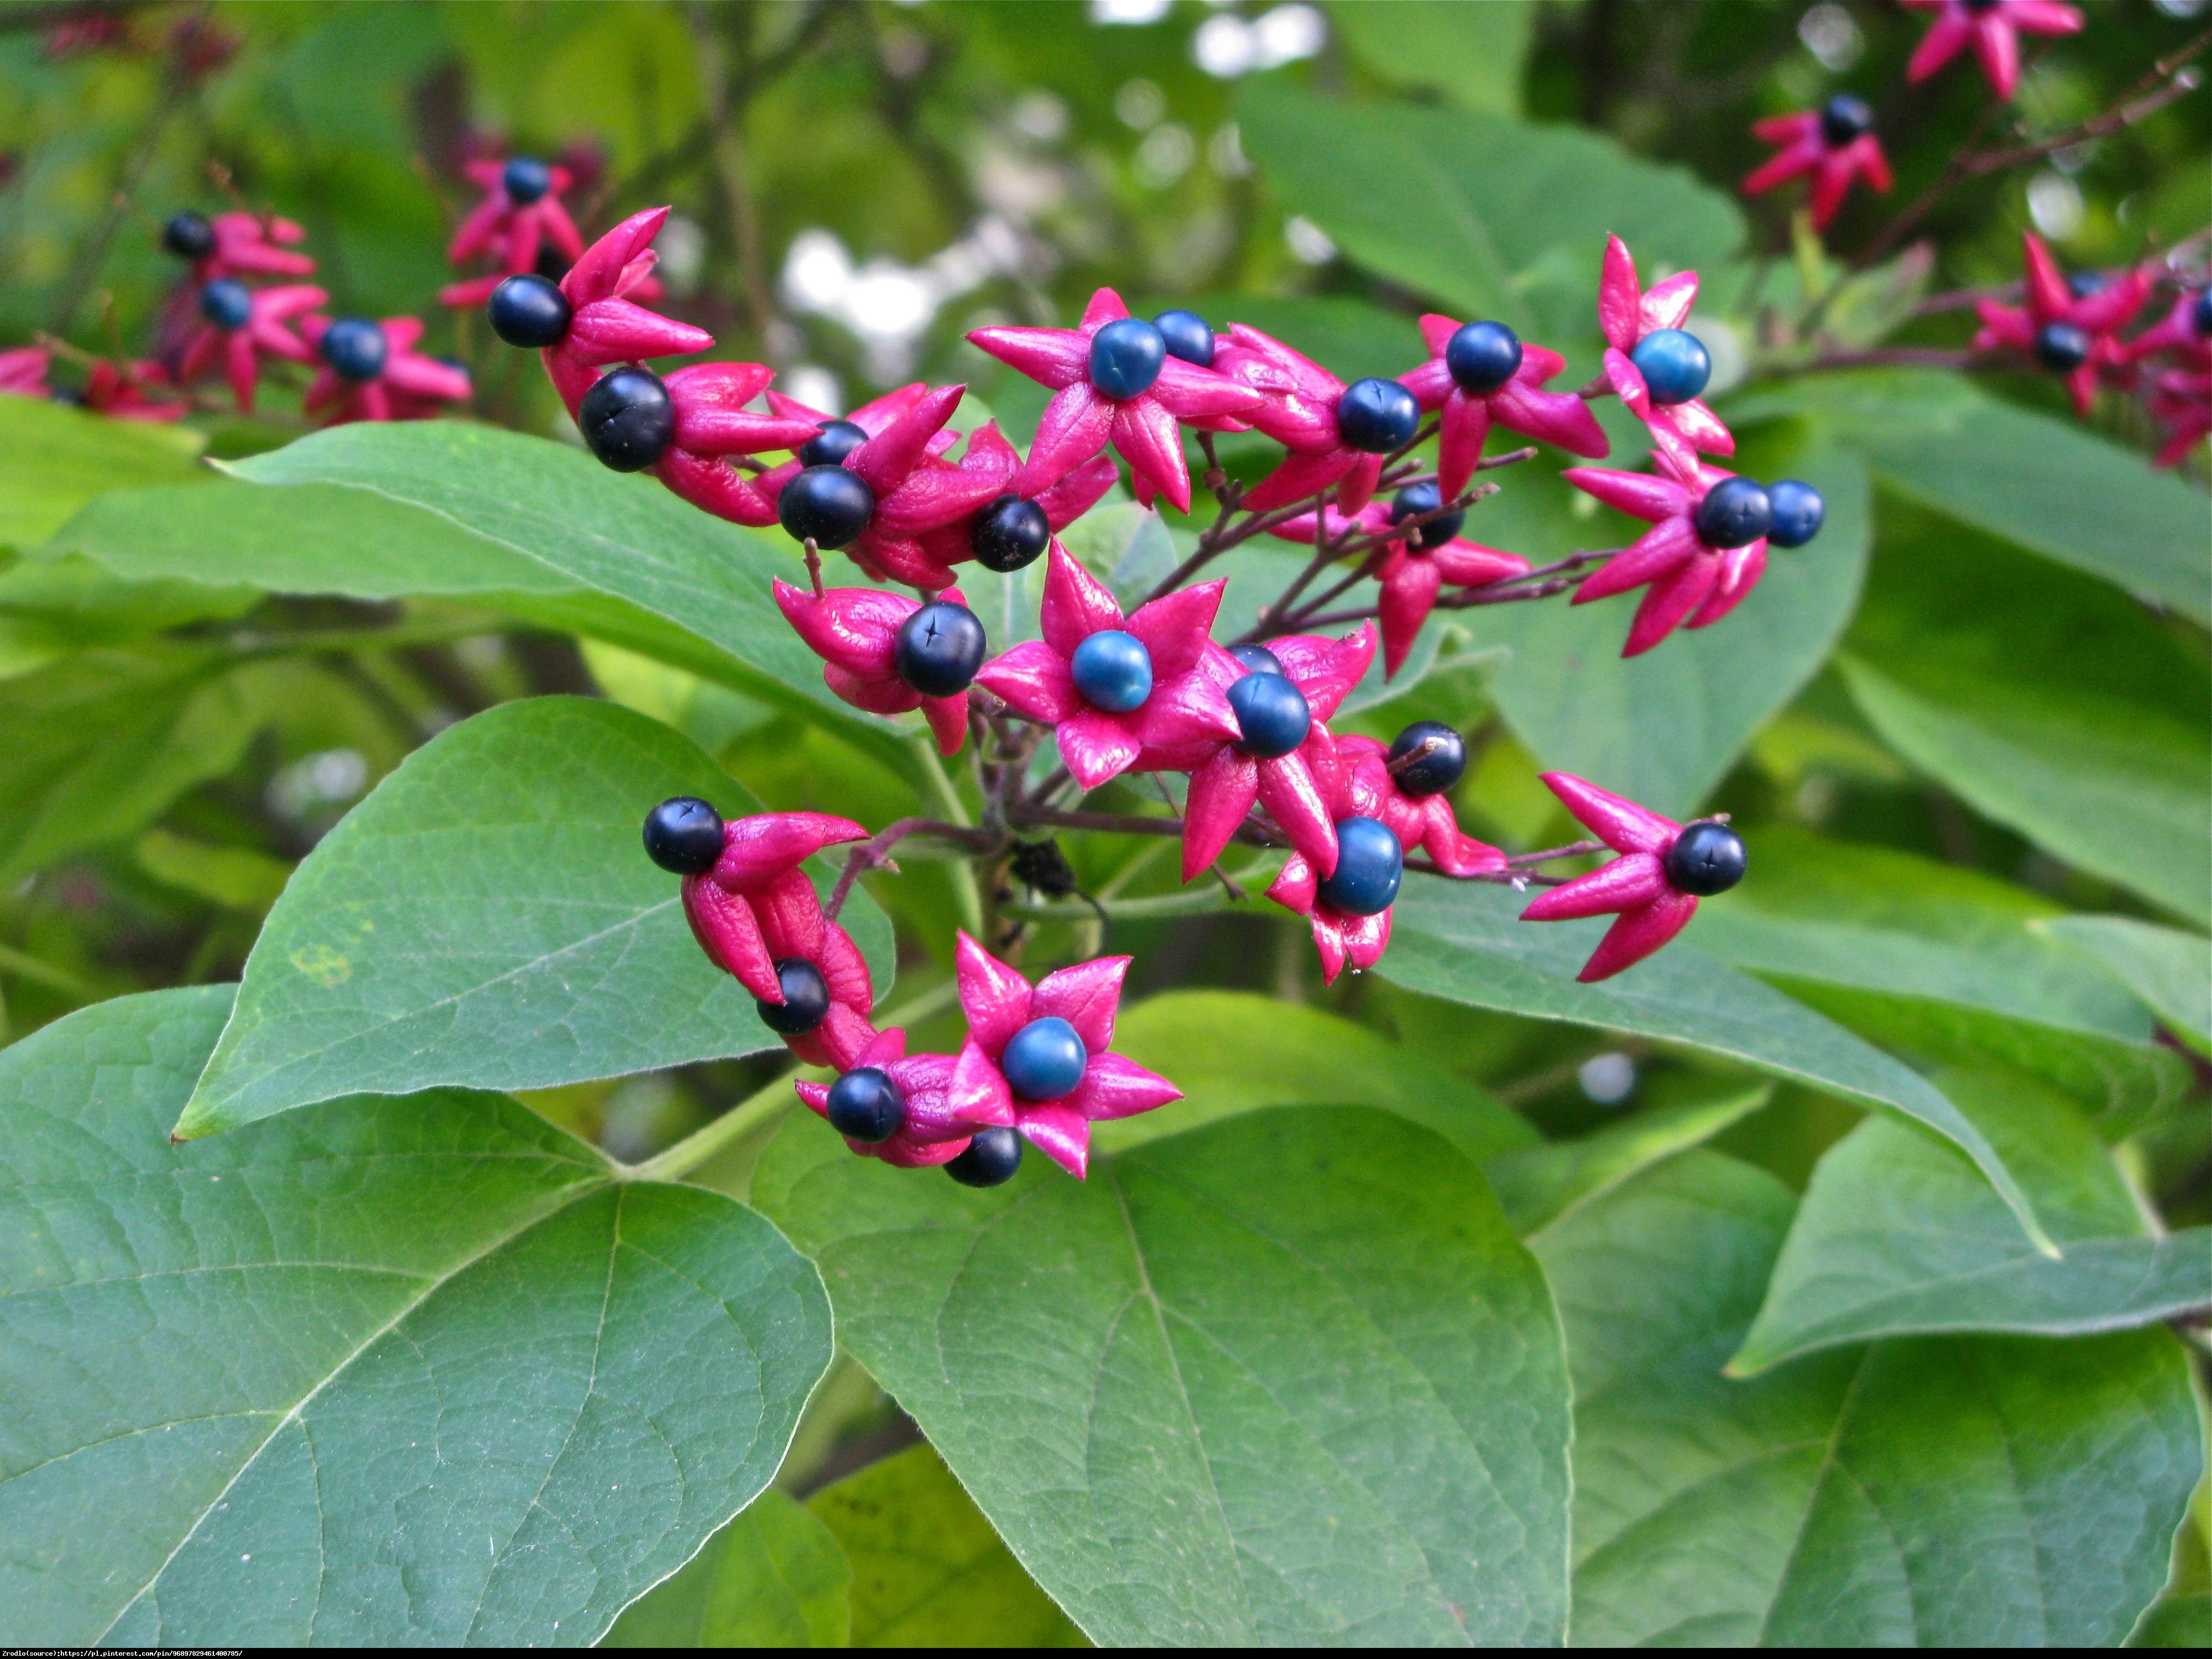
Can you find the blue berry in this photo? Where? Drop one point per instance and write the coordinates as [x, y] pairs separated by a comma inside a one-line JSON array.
[[1844, 118], [227, 304], [1674, 365], [827, 503], [2200, 314], [1736, 512], [1113, 670], [1375, 416], [1188, 336], [805, 999], [1126, 356], [627, 419], [529, 311], [989, 1160], [1272, 714], [1369, 865], [866, 1105], [1045, 1060], [1438, 769], [552, 263], [2083, 283], [1482, 357], [1257, 658], [355, 347], [2061, 346], [188, 235], [1706, 858], [1009, 533], [684, 836], [832, 443], [939, 648], [1799, 511], [1416, 499], [525, 181]]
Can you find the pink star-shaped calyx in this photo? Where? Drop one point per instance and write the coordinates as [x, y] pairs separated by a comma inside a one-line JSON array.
[[1688, 578], [1423, 821], [1062, 502], [936, 1130], [1626, 314], [265, 333], [854, 631], [712, 424], [2181, 403], [1993, 28], [2176, 332], [1803, 147], [409, 387], [604, 326], [1520, 405], [23, 371], [999, 1003], [138, 391], [1184, 707], [1633, 887], [511, 231], [1298, 412], [253, 245], [2052, 300], [1339, 936], [1081, 419]]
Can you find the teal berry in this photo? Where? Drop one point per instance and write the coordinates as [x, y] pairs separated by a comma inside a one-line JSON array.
[[1188, 335], [1045, 1060], [1257, 658], [1674, 365], [1272, 714], [1126, 357], [1113, 670], [227, 304], [1369, 865]]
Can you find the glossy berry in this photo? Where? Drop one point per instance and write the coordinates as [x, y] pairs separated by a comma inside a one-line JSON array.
[[805, 999], [355, 347], [1257, 658], [1126, 357], [226, 304], [628, 420], [1369, 865], [1799, 511], [865, 1104], [1482, 357], [1113, 670], [1706, 858], [1844, 118], [1416, 499], [1045, 1060], [2200, 314], [188, 235], [832, 444], [1272, 714], [529, 311], [1010, 533], [827, 503], [1186, 335], [2061, 346], [989, 1160], [1736, 512], [684, 836], [525, 181], [1438, 769], [939, 648], [1674, 365], [1375, 416]]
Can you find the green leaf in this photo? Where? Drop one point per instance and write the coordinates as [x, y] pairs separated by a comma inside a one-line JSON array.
[[49, 609], [1287, 1378], [487, 918], [1898, 1234], [1542, 1185], [54, 459], [1956, 1492], [773, 1577], [1235, 1051], [2171, 971], [930, 1571], [1471, 55], [1463, 940], [238, 878], [2178, 1621], [386, 1372]]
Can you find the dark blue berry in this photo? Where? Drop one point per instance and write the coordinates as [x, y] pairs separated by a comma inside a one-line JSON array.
[[1010, 533], [2061, 346], [1443, 760], [1188, 336], [805, 999], [827, 503], [1272, 714], [525, 181], [627, 419], [529, 311], [1706, 858], [1369, 865], [552, 263], [188, 235], [2083, 283], [1482, 357], [227, 304], [1375, 416], [1045, 1060], [1978, 6], [866, 1105], [355, 347], [2200, 314], [1416, 499], [684, 836], [939, 648], [1126, 357], [1113, 670], [1844, 118], [989, 1160], [1257, 658], [1735, 513], [1674, 365], [1799, 511], [830, 445]]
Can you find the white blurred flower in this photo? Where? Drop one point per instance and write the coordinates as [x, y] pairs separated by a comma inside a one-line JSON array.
[[1166, 155], [324, 779], [1832, 35], [814, 386], [1128, 11], [1225, 150], [1042, 115], [1308, 241], [1140, 103], [2054, 202], [1608, 1078], [682, 246], [889, 305]]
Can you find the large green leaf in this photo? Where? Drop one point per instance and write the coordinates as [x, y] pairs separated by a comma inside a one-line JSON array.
[[774, 1578], [1472, 56], [386, 1372], [51, 608], [1957, 1491], [1897, 1233], [2170, 970], [1464, 941], [54, 459], [487, 918], [1287, 1378], [1540, 1185]]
